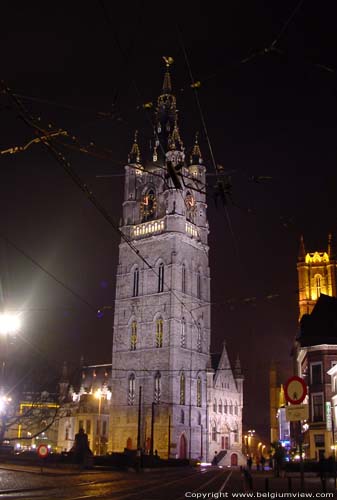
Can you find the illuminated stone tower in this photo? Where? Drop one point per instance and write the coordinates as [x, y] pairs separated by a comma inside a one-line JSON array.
[[161, 336], [316, 275]]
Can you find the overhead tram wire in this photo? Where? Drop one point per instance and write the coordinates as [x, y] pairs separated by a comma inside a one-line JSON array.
[[29, 121]]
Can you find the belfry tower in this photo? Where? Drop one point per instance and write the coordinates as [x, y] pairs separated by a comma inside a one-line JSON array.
[[316, 275], [161, 338]]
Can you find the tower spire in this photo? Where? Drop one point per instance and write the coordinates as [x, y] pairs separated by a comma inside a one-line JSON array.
[[301, 251], [134, 155], [195, 156], [330, 246]]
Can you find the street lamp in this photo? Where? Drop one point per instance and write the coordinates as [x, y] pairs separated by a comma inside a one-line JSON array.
[[98, 395], [9, 324]]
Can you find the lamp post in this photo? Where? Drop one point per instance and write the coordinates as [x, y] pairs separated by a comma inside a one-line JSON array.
[[98, 395]]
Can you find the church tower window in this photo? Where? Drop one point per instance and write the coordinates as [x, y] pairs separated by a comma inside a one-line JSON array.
[[157, 388], [161, 278], [199, 285], [183, 333], [182, 389], [131, 390], [199, 339], [214, 405], [133, 342], [220, 406], [225, 406], [199, 393], [183, 279], [159, 332], [135, 282]]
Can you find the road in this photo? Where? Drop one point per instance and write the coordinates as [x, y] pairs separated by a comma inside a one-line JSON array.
[[162, 484]]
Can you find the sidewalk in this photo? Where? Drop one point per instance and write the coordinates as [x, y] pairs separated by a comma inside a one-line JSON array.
[[266, 481]]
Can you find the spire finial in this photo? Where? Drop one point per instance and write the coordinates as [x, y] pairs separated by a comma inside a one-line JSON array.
[[167, 85], [301, 251], [196, 157], [134, 155]]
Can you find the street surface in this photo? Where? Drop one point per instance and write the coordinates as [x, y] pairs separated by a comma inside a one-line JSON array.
[[163, 484]]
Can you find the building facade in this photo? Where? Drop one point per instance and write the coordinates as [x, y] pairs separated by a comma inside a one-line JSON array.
[[162, 383], [315, 348]]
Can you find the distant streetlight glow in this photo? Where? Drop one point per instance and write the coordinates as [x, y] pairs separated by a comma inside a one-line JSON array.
[[9, 323]]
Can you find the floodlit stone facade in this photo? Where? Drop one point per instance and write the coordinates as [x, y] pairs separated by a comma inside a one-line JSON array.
[[163, 384]]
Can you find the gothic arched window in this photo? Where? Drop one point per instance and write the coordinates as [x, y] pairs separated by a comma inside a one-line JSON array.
[[318, 285], [214, 405], [159, 332], [135, 282], [183, 278], [131, 389], [199, 418], [199, 392], [133, 340], [183, 333], [225, 406], [199, 285], [220, 406], [231, 408], [236, 409], [182, 417], [157, 388], [182, 389], [161, 278], [199, 339]]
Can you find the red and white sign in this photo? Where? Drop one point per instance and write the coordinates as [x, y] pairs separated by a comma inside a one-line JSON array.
[[295, 390], [42, 450]]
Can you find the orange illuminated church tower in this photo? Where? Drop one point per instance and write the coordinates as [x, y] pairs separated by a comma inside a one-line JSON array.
[[316, 276]]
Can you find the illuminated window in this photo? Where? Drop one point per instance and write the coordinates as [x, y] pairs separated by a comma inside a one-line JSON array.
[[161, 278], [214, 405], [220, 406], [133, 343], [135, 282], [199, 393], [183, 279], [157, 388], [67, 433], [183, 333], [131, 390], [236, 436], [199, 285], [159, 332], [88, 427], [80, 425], [182, 389]]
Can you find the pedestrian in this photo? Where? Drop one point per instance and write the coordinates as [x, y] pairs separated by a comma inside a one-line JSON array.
[[322, 464], [263, 462], [215, 458], [249, 463], [248, 480]]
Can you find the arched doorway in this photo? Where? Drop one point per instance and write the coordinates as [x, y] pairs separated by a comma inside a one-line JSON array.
[[182, 446], [129, 443], [234, 460]]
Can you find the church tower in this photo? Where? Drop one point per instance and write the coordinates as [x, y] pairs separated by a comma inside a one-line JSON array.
[[161, 338], [316, 275]]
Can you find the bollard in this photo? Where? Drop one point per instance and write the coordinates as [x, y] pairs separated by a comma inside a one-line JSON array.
[[266, 484]]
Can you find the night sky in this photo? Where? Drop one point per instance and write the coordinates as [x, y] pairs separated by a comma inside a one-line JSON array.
[[89, 67]]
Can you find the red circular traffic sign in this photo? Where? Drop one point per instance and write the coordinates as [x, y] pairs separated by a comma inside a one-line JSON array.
[[295, 390], [42, 450]]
